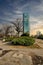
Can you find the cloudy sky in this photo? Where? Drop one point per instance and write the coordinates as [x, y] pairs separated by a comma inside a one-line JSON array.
[[11, 9]]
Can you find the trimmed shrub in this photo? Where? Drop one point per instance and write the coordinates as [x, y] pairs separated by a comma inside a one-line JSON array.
[[25, 34], [9, 39], [40, 37], [27, 41]]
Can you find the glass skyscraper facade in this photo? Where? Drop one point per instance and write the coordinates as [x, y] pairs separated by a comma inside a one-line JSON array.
[[25, 22]]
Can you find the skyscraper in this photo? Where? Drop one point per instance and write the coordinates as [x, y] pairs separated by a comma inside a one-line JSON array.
[[25, 22]]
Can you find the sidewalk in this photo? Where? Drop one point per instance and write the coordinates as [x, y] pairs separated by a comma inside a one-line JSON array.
[[39, 42], [41, 45]]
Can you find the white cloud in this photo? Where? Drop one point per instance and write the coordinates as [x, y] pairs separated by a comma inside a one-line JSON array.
[[35, 23], [18, 12]]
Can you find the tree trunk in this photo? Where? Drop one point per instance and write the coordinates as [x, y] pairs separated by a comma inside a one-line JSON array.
[[18, 34]]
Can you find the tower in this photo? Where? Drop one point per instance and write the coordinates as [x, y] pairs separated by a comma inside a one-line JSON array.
[[25, 23]]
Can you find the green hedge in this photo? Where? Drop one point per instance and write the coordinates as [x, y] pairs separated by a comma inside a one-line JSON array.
[[27, 41], [40, 37], [25, 34], [9, 39]]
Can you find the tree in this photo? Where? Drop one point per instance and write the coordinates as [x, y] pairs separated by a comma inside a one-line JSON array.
[[6, 29], [18, 26], [0, 30], [38, 33], [1, 33]]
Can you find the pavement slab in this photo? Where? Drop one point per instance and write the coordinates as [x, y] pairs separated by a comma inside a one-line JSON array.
[[20, 56]]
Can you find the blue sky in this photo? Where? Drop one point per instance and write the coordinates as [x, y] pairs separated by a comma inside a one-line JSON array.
[[9, 10]]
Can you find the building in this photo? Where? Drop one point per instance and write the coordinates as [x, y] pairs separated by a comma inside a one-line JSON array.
[[26, 23]]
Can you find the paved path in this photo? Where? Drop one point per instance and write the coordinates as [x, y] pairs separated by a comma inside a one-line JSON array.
[[11, 55], [39, 42]]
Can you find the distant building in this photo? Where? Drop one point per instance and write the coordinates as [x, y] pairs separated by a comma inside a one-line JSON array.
[[25, 22]]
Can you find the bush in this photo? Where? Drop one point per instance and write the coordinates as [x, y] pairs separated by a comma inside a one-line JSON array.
[[25, 34], [40, 37], [9, 39], [27, 41]]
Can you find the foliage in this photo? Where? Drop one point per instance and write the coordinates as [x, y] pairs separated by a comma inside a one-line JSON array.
[[9, 39], [40, 37], [25, 34], [27, 41]]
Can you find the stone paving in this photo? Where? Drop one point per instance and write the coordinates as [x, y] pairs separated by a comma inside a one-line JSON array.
[[10, 55], [39, 42], [21, 57]]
